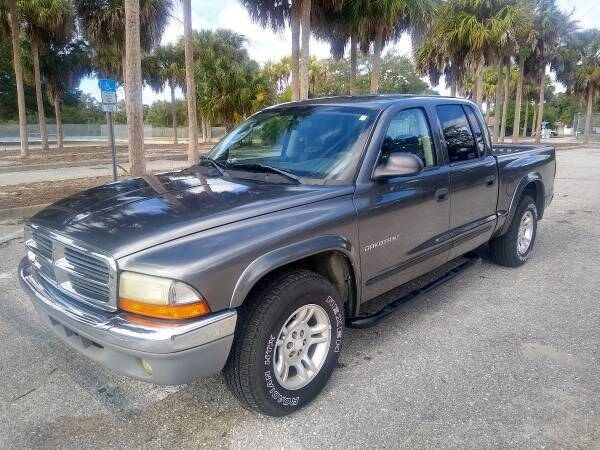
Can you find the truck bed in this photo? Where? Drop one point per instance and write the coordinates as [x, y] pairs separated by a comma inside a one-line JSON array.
[[519, 164], [508, 149]]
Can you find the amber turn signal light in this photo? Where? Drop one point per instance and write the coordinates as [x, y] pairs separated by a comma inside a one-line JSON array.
[[186, 311]]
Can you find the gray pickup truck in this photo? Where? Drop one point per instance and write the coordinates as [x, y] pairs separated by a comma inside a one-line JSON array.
[[253, 261]]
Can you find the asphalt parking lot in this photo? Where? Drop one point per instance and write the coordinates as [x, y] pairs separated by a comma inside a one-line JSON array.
[[498, 358]]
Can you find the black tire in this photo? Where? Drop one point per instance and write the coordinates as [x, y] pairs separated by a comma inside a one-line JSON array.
[[250, 369], [504, 249]]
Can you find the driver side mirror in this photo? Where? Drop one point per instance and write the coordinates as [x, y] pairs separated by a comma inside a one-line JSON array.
[[397, 165]]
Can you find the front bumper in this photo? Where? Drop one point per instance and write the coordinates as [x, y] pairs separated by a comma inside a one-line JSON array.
[[177, 351]]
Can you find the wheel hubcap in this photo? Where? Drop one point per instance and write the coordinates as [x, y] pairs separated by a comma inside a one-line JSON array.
[[525, 233], [302, 346]]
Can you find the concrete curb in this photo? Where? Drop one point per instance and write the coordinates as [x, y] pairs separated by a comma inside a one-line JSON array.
[[21, 212]]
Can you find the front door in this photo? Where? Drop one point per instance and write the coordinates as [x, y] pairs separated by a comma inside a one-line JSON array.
[[473, 177], [401, 218]]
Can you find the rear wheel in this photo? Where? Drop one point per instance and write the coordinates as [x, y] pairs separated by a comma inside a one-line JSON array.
[[513, 248], [287, 343]]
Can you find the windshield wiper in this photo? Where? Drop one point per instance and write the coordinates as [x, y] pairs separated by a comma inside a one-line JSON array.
[[263, 167], [213, 163]]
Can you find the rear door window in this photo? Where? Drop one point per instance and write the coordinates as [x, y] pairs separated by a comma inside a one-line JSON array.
[[457, 133], [477, 131]]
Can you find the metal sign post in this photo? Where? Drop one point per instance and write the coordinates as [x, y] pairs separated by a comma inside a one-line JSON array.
[[108, 91]]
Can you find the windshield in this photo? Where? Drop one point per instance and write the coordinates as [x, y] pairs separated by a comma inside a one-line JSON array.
[[316, 142]]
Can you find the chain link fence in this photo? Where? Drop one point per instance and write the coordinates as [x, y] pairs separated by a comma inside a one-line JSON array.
[[579, 126], [9, 133]]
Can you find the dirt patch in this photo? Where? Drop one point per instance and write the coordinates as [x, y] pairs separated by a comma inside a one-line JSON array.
[[46, 191], [75, 154]]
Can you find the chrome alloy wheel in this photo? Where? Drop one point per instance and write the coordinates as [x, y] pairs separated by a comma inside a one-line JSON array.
[[302, 346], [525, 233]]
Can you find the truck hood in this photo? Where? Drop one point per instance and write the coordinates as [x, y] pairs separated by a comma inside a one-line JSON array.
[[127, 216]]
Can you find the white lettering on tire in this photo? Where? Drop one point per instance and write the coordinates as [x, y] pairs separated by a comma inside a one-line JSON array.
[[339, 323]]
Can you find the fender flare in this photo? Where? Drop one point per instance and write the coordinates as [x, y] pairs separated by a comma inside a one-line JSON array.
[[294, 252], [531, 177]]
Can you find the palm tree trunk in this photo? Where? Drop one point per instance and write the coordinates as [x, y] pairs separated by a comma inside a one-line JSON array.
[[15, 30], [376, 60], [452, 89], [587, 131], [203, 127], [517, 121], [124, 66], [209, 130], [295, 27], [498, 104], [526, 118], [505, 103], [305, 50], [35, 55], [133, 89], [487, 111], [540, 115], [190, 83], [353, 62], [173, 112], [534, 119], [59, 127], [479, 85]]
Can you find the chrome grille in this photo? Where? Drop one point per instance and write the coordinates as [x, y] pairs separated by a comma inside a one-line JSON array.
[[84, 275]]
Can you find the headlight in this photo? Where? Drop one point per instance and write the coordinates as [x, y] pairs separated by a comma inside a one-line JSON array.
[[159, 297]]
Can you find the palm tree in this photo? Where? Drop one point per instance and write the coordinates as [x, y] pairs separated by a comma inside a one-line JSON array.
[[383, 21], [304, 49], [523, 40], [190, 83], [106, 26], [471, 33], [507, 79], [587, 77], [103, 24], [167, 66], [45, 20], [133, 88], [576, 63], [550, 26], [230, 85], [10, 23], [275, 15], [64, 67], [338, 24]]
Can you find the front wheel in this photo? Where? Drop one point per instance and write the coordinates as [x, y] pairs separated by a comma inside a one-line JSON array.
[[287, 343], [513, 248]]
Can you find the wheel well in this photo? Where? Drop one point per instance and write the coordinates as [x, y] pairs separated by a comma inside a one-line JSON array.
[[332, 265], [536, 191]]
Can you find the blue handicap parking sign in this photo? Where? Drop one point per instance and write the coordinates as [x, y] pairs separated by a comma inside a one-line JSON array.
[[107, 85]]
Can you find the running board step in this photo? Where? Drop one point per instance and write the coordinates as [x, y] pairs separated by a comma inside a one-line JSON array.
[[372, 319]]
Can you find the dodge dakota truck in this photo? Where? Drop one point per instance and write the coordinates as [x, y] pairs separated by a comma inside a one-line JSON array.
[[254, 260]]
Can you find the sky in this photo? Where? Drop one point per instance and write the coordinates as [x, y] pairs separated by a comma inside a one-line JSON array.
[[264, 45]]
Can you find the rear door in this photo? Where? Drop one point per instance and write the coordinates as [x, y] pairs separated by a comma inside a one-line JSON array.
[[473, 177], [401, 218]]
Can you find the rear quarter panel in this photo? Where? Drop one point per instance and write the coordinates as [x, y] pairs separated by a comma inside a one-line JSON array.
[[517, 167]]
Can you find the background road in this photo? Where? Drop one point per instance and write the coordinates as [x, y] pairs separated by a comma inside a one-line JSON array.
[[496, 358]]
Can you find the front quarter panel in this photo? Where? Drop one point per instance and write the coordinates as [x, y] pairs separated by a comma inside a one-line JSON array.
[[224, 263]]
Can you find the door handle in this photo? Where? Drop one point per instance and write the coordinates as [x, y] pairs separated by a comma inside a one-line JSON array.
[[489, 181], [441, 194]]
